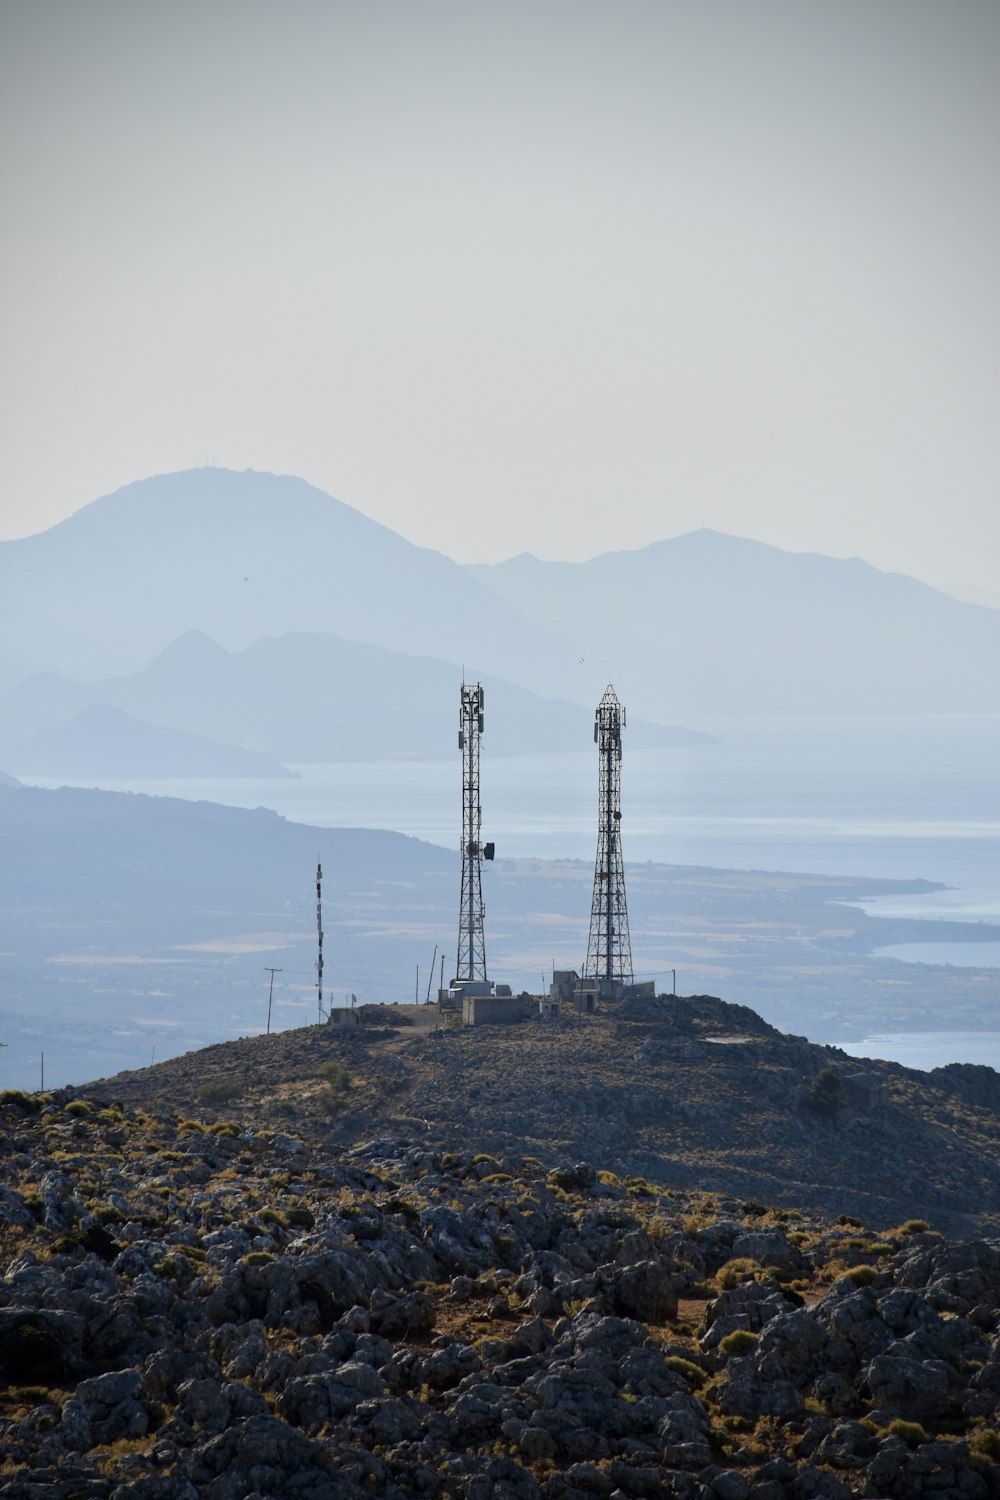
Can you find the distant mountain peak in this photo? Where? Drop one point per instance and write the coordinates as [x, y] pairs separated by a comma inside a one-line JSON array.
[[192, 646]]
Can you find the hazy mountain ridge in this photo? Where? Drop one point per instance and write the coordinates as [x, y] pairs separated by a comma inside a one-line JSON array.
[[721, 624], [104, 741], [241, 555], [303, 697], [703, 624]]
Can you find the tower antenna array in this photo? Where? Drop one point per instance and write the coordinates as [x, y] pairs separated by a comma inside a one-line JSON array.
[[471, 960], [609, 950]]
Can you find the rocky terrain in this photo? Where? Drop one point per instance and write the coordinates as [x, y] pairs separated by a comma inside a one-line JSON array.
[[235, 1300], [690, 1092], [191, 1310]]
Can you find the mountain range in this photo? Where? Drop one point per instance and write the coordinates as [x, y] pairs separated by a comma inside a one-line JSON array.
[[103, 741], [298, 697], [697, 626], [722, 625]]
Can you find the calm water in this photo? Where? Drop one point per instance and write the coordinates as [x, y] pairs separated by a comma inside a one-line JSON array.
[[897, 799], [960, 955], [930, 1049]]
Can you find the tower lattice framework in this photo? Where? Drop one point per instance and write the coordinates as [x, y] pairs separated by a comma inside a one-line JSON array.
[[609, 949], [471, 959]]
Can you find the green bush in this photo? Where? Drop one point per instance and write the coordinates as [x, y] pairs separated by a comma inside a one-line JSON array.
[[736, 1271], [692, 1373], [20, 1100], [299, 1217], [218, 1093], [862, 1275], [740, 1341], [911, 1432], [911, 1226], [985, 1443], [826, 1094]]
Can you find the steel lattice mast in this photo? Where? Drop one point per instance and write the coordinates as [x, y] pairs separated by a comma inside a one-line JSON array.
[[609, 950], [471, 961]]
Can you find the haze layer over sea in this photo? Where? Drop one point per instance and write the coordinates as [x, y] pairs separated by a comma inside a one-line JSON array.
[[902, 799]]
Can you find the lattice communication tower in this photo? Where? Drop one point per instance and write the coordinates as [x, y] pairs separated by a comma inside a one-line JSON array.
[[609, 950], [471, 961]]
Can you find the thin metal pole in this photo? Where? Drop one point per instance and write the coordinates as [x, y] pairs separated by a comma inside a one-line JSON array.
[[270, 992], [319, 934]]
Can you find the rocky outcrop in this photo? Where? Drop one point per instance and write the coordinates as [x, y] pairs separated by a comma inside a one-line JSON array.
[[690, 1091], [195, 1312]]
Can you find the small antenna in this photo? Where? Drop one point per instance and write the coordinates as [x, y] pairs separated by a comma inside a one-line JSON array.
[[319, 935], [270, 969]]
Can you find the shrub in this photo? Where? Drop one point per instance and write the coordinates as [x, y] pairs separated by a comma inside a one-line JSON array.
[[257, 1258], [20, 1100], [911, 1226], [826, 1094], [80, 1108], [736, 1271], [692, 1373], [218, 1093], [911, 1432], [192, 1126], [985, 1443], [862, 1275], [336, 1076], [226, 1127], [299, 1217], [740, 1341]]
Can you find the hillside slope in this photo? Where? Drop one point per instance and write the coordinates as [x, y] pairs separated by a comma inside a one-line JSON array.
[[227, 1311], [688, 1091]]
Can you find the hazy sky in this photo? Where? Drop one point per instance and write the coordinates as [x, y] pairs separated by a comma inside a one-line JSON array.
[[557, 277]]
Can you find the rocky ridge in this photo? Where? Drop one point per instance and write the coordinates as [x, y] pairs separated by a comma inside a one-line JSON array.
[[218, 1310], [687, 1091]]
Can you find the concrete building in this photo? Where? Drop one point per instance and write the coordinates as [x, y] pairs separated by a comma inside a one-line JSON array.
[[496, 1009]]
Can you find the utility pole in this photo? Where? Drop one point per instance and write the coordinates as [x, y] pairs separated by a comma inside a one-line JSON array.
[[319, 935], [270, 969], [430, 977], [43, 1073]]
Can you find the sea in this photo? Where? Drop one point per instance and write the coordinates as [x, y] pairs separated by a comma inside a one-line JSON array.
[[895, 799]]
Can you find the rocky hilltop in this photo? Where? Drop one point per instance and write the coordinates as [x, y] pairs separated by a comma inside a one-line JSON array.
[[690, 1092], [210, 1288], [214, 1310]]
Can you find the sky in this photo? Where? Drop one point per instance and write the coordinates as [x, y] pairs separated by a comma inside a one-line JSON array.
[[556, 277]]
